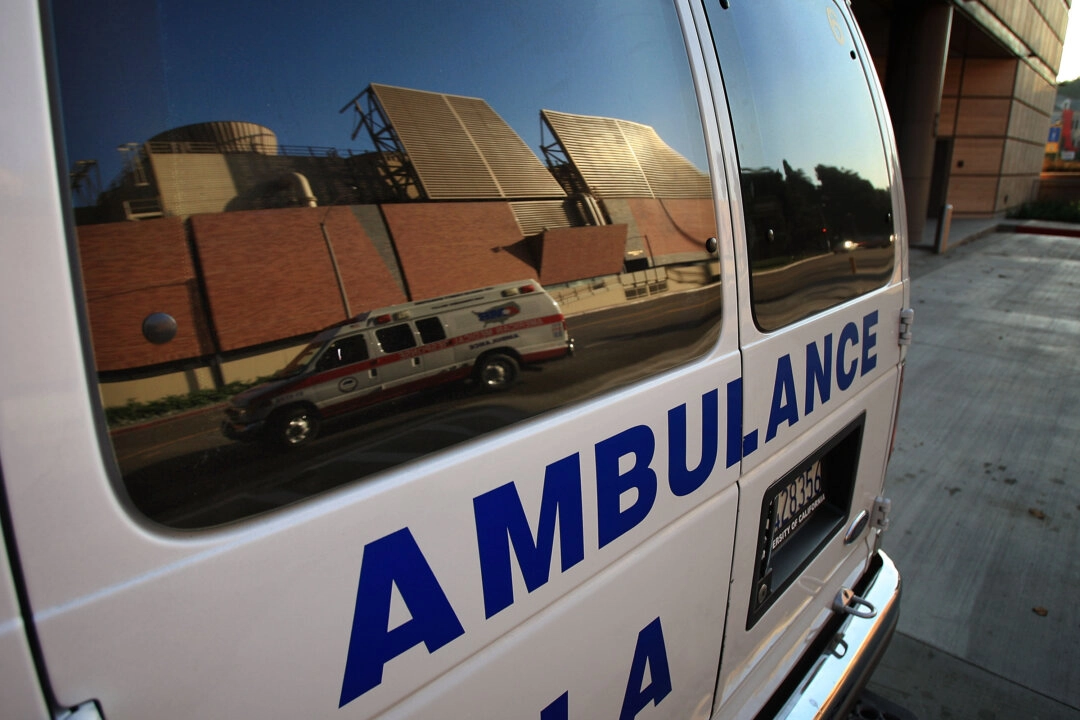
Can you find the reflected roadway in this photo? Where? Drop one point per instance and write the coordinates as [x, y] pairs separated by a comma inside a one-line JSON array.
[[183, 472]]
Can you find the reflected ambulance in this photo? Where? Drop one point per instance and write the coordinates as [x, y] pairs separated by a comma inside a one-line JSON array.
[[488, 334]]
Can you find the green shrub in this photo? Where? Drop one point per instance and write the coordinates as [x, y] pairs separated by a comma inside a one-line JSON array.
[[1053, 210], [134, 412]]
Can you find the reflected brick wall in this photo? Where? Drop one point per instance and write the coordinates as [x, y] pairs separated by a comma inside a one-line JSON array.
[[674, 226], [269, 275], [131, 270], [450, 247], [568, 254]]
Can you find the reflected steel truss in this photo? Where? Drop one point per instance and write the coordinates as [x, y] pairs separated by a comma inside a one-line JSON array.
[[559, 162], [394, 166]]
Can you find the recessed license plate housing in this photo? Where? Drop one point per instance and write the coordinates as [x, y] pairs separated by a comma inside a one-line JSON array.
[[800, 512]]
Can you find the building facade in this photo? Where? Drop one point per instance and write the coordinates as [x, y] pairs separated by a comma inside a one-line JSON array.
[[970, 86]]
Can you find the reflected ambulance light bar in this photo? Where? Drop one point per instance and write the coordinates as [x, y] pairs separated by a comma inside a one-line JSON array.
[[388, 317], [510, 292]]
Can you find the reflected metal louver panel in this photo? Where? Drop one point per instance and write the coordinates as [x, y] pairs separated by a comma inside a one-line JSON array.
[[619, 158], [538, 215], [461, 148]]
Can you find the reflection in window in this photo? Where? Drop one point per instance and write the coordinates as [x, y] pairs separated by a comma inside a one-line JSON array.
[[344, 352], [431, 330], [269, 201], [815, 183], [395, 338]]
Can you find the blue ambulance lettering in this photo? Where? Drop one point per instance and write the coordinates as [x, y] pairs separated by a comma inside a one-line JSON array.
[[501, 522], [681, 479], [508, 536], [850, 357], [558, 710], [394, 560], [611, 485], [649, 654]]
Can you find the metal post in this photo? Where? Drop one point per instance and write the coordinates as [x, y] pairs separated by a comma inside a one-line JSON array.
[[337, 270], [941, 241]]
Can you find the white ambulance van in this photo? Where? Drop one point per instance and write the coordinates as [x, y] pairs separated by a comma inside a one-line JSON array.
[[683, 521], [379, 355]]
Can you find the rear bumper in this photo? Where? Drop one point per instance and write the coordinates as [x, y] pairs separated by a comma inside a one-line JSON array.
[[842, 669]]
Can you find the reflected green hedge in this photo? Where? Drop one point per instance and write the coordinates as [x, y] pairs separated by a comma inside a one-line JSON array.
[[1052, 210], [135, 412]]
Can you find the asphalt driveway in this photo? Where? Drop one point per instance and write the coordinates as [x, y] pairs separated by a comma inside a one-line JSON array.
[[985, 483]]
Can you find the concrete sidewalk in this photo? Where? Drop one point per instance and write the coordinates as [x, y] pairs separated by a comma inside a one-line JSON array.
[[986, 519]]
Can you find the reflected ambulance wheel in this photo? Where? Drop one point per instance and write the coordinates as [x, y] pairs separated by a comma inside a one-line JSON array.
[[496, 371], [295, 426]]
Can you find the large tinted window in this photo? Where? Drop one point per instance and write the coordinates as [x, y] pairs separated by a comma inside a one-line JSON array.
[[247, 175], [395, 338], [431, 330], [812, 164], [344, 352]]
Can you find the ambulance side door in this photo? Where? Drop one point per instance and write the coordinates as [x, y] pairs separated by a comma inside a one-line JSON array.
[[562, 555], [437, 354], [349, 369], [399, 359]]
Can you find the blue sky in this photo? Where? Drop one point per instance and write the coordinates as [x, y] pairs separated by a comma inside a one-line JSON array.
[[130, 69], [1070, 56], [820, 115]]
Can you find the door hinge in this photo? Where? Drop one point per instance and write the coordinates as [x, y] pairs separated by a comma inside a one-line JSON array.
[[907, 319], [879, 514]]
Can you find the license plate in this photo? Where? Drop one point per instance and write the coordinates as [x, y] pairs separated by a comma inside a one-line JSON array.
[[795, 503], [800, 512]]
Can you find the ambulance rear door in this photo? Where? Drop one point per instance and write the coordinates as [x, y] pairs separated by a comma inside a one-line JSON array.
[[820, 248]]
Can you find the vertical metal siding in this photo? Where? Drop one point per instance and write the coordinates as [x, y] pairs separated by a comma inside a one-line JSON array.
[[461, 148]]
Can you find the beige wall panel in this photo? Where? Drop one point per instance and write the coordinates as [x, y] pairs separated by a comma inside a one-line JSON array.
[[1047, 95], [973, 195], [1026, 89], [1016, 190], [1020, 16], [947, 120], [989, 78], [1022, 158], [193, 183], [1044, 41], [982, 117], [1028, 124], [1023, 21], [1027, 22], [118, 394], [1037, 29], [1053, 56], [1006, 10], [259, 366], [1057, 16], [1029, 25], [1034, 90], [977, 156]]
